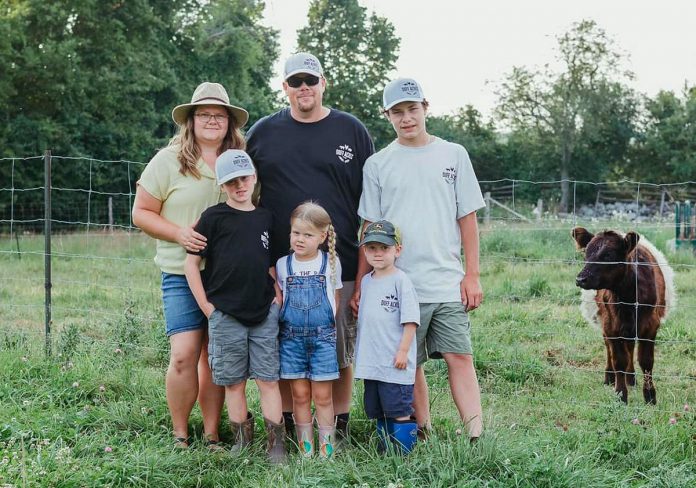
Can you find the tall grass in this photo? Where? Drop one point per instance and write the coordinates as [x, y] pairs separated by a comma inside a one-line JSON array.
[[94, 412]]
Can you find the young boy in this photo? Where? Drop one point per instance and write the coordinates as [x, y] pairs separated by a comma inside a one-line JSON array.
[[386, 352], [236, 292], [427, 186]]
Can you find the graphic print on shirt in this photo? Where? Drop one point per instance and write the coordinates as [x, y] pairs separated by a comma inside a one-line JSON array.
[[265, 239], [345, 153], [450, 174], [390, 303]]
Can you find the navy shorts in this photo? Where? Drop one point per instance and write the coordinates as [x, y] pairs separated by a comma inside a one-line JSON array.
[[181, 312], [387, 400]]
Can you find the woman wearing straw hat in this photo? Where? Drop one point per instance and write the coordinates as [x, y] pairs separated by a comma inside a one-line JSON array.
[[175, 187]]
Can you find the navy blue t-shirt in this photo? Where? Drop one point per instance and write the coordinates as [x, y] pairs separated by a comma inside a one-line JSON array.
[[320, 161], [236, 279]]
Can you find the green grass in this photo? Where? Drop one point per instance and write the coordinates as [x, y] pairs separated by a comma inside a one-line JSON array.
[[549, 419]]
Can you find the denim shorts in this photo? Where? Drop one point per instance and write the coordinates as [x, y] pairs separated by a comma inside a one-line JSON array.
[[387, 400], [181, 312], [237, 352], [308, 352]]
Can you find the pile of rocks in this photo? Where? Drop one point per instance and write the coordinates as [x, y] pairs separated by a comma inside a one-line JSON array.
[[626, 211]]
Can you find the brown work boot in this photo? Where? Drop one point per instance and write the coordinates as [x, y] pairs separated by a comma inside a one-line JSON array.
[[242, 433], [342, 432], [305, 439], [276, 441]]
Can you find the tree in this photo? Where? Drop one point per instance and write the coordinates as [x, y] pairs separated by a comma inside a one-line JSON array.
[[576, 110], [479, 137], [357, 53], [665, 151], [100, 78]]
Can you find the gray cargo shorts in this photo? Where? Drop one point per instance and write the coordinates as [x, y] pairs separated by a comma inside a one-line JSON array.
[[237, 352]]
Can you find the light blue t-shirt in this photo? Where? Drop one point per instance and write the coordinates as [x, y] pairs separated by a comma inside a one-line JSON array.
[[386, 303], [424, 191]]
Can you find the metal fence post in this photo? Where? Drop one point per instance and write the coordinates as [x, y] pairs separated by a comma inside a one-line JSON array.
[[47, 249], [487, 210]]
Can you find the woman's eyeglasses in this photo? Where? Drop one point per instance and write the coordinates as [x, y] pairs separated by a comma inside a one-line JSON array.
[[296, 81], [206, 117]]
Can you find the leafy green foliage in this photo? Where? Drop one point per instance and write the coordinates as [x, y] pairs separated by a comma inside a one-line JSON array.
[[583, 115], [100, 78], [666, 149], [358, 52]]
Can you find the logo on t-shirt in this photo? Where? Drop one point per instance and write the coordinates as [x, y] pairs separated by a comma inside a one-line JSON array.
[[390, 303], [449, 174], [264, 239], [345, 153]]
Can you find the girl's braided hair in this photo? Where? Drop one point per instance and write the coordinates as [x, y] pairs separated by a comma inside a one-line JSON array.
[[318, 217]]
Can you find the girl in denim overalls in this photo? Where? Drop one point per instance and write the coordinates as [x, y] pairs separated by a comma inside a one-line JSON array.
[[309, 278]]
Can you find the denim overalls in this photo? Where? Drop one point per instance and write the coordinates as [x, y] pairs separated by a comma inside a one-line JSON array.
[[307, 327]]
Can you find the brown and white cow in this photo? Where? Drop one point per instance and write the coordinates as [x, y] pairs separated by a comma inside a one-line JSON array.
[[628, 291]]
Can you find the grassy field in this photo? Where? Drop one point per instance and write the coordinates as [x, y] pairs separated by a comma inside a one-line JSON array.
[[94, 413]]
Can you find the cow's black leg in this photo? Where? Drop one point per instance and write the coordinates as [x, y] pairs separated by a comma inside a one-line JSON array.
[[619, 352], [646, 359], [609, 370]]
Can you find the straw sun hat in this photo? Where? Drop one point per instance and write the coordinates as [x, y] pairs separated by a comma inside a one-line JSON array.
[[210, 94]]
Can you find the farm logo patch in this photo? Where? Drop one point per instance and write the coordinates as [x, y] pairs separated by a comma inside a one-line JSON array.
[[345, 153], [310, 63], [240, 161], [409, 88], [450, 174], [390, 303]]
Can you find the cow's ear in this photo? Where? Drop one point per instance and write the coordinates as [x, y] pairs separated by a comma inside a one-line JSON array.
[[582, 237], [631, 240]]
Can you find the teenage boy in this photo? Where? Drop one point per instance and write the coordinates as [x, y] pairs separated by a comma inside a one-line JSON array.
[[386, 350], [427, 186], [237, 295]]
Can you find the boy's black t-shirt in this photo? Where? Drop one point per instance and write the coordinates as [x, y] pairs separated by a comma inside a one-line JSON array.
[[238, 257], [320, 161]]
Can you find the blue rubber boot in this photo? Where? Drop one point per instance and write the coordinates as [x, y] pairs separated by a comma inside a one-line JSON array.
[[404, 434], [383, 431]]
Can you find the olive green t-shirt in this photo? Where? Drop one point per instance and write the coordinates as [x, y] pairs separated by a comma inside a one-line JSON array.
[[183, 200]]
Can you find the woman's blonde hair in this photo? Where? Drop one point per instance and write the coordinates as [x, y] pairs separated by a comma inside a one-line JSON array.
[[190, 151], [317, 216]]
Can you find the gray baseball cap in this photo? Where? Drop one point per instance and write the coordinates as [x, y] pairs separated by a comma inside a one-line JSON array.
[[302, 63], [402, 90], [231, 164]]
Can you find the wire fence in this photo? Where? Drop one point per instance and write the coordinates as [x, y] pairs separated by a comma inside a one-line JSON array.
[[72, 260]]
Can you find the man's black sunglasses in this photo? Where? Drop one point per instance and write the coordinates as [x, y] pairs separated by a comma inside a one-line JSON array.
[[296, 81]]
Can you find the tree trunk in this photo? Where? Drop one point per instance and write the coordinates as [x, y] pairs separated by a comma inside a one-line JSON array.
[[565, 184]]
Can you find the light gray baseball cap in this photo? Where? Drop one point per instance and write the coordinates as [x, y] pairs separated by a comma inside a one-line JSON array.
[[402, 90], [303, 63], [232, 164]]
